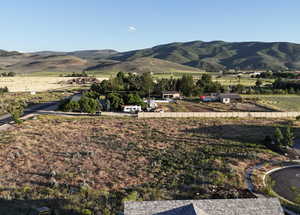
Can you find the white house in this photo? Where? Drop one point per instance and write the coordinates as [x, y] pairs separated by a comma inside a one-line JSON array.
[[132, 108]]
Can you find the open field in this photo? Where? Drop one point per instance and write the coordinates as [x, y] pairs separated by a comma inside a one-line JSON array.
[[246, 81], [195, 105], [278, 102], [37, 84], [99, 162]]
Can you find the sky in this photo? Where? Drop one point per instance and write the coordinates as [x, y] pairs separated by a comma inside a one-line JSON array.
[[67, 25]]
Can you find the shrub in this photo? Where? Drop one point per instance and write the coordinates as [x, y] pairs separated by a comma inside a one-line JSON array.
[[8, 74], [72, 106], [86, 212], [133, 196], [3, 90], [16, 110]]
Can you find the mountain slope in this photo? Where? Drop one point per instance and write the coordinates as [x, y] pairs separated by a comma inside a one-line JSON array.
[[141, 65], [35, 63], [219, 55], [93, 54], [51, 61]]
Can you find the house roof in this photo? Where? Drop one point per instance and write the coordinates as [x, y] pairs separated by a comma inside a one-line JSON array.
[[190, 209], [229, 95], [206, 207], [170, 92]]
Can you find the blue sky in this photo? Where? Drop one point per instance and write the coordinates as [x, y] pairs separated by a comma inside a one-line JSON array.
[[66, 25]]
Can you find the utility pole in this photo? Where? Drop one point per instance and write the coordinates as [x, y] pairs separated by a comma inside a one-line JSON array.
[[149, 99]]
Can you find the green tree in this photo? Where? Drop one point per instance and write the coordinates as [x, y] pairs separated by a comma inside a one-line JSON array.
[[134, 99], [186, 85], [147, 84], [116, 101], [88, 105], [206, 78], [278, 137], [289, 137], [102, 88]]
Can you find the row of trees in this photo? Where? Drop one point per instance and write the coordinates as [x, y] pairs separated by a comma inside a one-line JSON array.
[[85, 105], [143, 85], [91, 102]]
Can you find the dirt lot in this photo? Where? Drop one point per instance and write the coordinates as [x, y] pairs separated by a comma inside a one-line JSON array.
[[155, 158], [198, 106]]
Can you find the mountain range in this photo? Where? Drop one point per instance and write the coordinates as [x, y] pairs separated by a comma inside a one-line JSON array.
[[188, 56]]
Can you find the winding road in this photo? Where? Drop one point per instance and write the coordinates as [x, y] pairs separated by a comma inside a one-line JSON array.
[[6, 118]]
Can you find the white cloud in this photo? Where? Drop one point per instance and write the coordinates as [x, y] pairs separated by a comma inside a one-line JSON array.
[[132, 29]]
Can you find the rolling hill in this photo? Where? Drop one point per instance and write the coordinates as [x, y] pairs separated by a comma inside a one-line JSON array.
[[51, 61], [218, 55], [167, 58], [141, 65]]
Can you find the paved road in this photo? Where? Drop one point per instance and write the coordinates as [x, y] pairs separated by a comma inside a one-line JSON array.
[[285, 179], [6, 118]]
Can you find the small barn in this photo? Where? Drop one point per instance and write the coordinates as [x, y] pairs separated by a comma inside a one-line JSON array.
[[227, 98], [171, 95]]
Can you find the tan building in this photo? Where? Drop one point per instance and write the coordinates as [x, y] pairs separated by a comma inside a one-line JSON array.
[[171, 95]]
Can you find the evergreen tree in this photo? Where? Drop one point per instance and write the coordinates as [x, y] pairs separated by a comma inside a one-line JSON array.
[[289, 137], [278, 137], [147, 84], [186, 85]]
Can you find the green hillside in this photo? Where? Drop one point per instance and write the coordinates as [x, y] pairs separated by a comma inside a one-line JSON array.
[[220, 55]]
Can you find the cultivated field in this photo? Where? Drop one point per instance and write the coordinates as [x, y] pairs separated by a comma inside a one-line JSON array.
[[37, 84], [93, 164]]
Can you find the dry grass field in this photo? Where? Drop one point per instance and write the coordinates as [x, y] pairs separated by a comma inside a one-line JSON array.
[[37, 84], [195, 105], [99, 162], [278, 102]]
